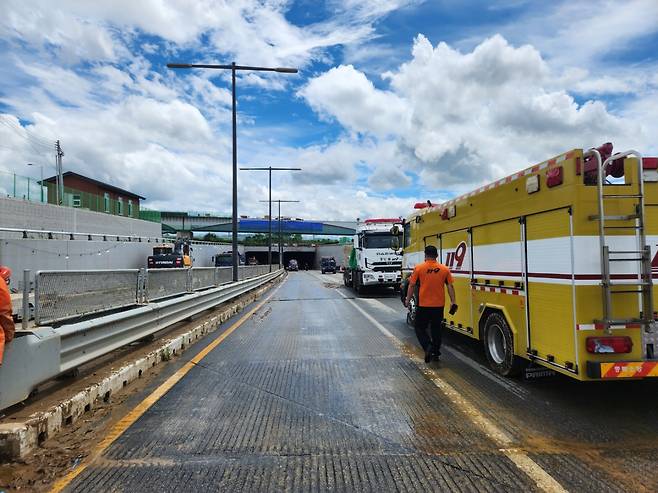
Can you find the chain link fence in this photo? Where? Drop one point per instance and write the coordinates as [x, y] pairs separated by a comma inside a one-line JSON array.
[[61, 295]]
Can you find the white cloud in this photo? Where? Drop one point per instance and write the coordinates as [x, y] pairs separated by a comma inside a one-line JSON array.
[[336, 92], [446, 119], [78, 71], [469, 118]]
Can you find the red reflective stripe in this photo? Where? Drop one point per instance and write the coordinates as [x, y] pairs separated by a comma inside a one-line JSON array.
[[611, 373], [646, 368]]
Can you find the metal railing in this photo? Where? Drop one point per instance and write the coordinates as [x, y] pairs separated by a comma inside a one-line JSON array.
[[63, 295], [22, 187], [43, 353]]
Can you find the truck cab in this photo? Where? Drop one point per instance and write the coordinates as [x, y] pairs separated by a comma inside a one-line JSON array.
[[372, 261], [226, 259], [328, 264]]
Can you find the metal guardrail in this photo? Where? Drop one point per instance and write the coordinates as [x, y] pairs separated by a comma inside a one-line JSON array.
[[44, 353], [61, 295]]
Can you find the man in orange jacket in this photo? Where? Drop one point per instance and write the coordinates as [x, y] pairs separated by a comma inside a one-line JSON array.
[[6, 315], [432, 279]]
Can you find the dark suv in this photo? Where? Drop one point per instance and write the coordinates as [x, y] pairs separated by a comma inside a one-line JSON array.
[[328, 264]]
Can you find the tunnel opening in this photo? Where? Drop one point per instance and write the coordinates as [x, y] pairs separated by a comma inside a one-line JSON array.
[[261, 257], [303, 258]]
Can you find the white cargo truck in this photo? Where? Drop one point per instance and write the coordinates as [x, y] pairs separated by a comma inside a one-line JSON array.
[[372, 261]]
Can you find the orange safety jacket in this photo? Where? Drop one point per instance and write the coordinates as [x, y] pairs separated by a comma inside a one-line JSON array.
[[6, 318]]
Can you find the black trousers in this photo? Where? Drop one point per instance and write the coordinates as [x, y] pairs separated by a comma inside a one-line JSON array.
[[432, 318]]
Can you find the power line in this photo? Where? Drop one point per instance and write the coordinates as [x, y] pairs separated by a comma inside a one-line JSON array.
[[34, 140]]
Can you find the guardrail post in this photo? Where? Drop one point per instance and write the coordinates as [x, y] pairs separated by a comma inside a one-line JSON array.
[[141, 286], [189, 280], [37, 314], [26, 299]]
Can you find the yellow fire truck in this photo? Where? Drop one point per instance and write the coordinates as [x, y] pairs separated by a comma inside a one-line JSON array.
[[553, 264]]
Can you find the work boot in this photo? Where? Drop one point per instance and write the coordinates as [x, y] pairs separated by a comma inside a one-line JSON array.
[[428, 354]]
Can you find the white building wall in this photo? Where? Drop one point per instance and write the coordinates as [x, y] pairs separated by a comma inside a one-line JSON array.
[[21, 214]]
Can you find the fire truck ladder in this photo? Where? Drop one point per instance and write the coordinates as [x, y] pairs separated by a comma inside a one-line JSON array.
[[642, 285]]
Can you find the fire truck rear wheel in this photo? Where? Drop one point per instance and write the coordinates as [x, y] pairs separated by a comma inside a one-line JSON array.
[[411, 311], [499, 346]]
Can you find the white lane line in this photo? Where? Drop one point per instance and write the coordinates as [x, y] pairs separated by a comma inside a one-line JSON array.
[[327, 278], [512, 387], [534, 471], [377, 304]]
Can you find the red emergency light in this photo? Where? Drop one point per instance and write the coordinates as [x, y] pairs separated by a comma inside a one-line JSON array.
[[422, 205], [376, 221], [650, 163], [609, 345]]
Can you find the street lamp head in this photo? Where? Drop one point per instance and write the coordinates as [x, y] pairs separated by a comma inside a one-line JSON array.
[[178, 65], [285, 70]]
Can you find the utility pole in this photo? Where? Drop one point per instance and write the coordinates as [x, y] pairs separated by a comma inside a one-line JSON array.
[[233, 67], [269, 229], [60, 175], [280, 239]]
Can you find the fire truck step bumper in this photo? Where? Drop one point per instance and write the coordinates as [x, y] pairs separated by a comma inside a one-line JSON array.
[[622, 369]]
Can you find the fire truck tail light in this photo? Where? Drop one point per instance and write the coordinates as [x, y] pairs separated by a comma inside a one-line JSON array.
[[609, 345], [554, 177]]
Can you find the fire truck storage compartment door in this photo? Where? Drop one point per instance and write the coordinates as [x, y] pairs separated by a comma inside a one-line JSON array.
[[498, 263], [497, 253], [550, 288], [456, 254], [651, 217]]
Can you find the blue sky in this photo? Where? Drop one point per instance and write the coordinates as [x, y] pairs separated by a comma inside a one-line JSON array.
[[396, 100]]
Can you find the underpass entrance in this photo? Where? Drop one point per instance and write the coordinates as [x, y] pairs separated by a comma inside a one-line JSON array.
[[303, 258]]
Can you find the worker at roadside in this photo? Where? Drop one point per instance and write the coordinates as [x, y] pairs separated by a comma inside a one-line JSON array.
[[432, 279], [6, 315]]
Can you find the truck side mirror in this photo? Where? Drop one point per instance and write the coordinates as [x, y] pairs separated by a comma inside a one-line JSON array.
[[395, 243]]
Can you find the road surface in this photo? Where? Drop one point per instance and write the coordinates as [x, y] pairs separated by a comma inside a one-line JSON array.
[[320, 390]]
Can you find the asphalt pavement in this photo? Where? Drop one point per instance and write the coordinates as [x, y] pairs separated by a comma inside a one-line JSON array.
[[321, 390]]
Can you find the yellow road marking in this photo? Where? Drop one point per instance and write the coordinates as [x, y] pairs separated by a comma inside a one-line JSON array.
[[534, 471], [133, 415]]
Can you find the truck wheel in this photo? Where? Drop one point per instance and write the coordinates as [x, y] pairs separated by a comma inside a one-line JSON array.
[[411, 311], [499, 346], [358, 286]]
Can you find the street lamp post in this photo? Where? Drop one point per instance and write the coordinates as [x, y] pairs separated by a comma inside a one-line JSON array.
[[280, 244], [269, 230], [233, 68], [41, 182]]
